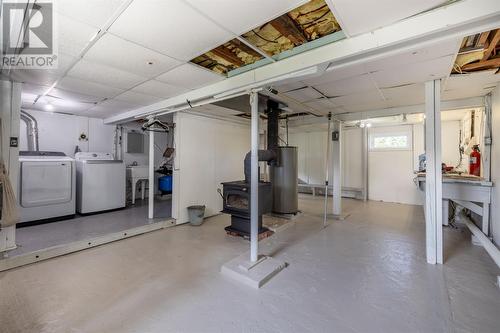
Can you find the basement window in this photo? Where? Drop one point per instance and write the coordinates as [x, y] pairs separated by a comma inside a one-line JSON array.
[[390, 141]]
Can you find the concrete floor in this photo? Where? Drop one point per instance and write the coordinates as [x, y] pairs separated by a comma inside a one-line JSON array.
[[37, 237], [365, 274]]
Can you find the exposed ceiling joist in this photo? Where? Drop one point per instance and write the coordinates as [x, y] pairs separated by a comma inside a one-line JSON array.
[[285, 25], [482, 65], [227, 55], [493, 44]]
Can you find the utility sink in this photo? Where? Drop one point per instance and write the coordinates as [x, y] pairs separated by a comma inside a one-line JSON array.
[[138, 171]]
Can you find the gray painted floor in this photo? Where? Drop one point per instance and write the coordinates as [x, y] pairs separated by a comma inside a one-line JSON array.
[[42, 236], [365, 274]]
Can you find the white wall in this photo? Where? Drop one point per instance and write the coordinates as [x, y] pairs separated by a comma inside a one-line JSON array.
[[495, 166], [391, 173], [384, 167], [209, 152], [312, 153], [450, 138], [61, 132]]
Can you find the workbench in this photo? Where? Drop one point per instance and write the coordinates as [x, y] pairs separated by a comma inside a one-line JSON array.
[[467, 191]]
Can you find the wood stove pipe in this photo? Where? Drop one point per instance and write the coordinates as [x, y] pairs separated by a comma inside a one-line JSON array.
[[264, 155]]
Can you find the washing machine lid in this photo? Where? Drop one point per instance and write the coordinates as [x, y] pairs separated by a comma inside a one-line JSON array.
[[29, 156], [81, 156], [40, 153]]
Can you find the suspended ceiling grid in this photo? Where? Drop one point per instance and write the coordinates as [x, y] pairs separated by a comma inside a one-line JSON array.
[[135, 61]]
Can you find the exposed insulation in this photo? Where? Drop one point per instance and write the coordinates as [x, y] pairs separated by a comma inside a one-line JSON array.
[[227, 57], [301, 25], [479, 52]]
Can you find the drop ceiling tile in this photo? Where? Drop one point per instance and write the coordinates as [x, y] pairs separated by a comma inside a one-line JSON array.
[[304, 95], [414, 73], [170, 27], [283, 88], [337, 73], [322, 104], [376, 14], [44, 77], [247, 15], [189, 76], [92, 12], [88, 88], [109, 108], [127, 56], [34, 89], [158, 89], [73, 96], [405, 95], [347, 86], [465, 93], [28, 97], [63, 105], [477, 80], [94, 72], [367, 97], [444, 48], [375, 105], [73, 36], [137, 98]]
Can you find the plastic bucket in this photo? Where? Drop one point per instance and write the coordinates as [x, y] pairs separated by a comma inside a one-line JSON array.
[[165, 184], [196, 214]]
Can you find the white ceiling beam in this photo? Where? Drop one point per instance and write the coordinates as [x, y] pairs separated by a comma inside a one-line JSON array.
[[453, 21]]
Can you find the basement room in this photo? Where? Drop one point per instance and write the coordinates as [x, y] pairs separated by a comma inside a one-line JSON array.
[[259, 166]]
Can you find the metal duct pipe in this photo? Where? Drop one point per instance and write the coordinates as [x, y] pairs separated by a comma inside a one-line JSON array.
[[273, 113], [264, 155], [32, 130]]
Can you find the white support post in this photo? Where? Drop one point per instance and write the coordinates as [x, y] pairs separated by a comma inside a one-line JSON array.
[[10, 110], [151, 190], [254, 179], [433, 183], [337, 166], [327, 168], [365, 163]]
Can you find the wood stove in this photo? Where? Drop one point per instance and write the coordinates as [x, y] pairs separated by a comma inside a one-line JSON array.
[[236, 201]]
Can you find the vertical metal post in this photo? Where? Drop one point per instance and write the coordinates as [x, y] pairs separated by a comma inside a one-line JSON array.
[[365, 163], [433, 181], [337, 170], [327, 167], [151, 190], [254, 179]]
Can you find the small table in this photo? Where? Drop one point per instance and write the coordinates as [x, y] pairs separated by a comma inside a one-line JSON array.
[[467, 192]]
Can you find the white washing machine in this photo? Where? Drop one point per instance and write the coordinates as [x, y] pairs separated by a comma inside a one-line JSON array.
[[46, 185], [100, 182]]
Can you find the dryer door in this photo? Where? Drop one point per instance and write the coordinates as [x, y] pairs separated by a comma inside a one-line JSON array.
[[45, 183]]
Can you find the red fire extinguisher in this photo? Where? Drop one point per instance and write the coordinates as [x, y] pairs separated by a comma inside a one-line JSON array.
[[475, 162]]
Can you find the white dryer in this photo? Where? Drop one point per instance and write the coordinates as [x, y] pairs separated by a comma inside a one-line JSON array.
[[46, 186], [100, 182]]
